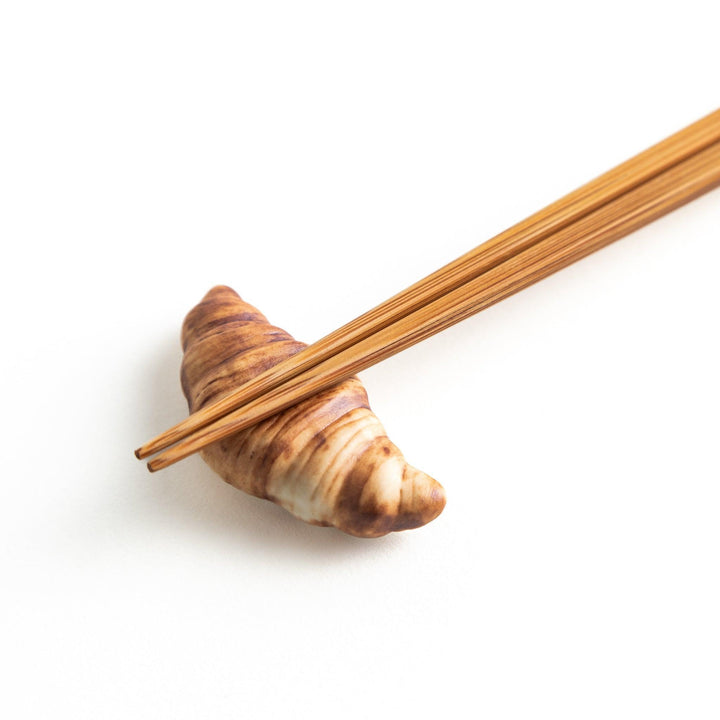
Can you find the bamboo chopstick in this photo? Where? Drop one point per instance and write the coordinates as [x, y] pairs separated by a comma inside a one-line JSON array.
[[562, 213], [636, 208]]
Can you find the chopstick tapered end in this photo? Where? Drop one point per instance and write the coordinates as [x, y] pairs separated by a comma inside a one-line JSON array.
[[158, 463]]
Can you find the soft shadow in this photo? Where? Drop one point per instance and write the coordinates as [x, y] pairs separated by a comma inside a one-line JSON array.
[[189, 494]]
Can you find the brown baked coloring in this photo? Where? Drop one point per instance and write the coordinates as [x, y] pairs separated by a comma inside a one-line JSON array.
[[327, 460]]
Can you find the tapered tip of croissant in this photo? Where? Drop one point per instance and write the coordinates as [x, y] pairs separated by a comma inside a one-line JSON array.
[[394, 496], [422, 500], [220, 291]]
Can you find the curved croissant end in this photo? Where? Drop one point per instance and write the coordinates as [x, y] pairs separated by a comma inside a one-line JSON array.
[[327, 460]]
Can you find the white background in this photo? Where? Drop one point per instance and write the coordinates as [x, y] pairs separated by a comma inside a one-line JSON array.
[[318, 157]]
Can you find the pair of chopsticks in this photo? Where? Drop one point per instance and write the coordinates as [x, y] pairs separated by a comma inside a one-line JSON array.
[[642, 189]]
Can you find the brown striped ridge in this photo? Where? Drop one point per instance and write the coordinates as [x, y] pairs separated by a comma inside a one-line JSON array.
[[327, 460]]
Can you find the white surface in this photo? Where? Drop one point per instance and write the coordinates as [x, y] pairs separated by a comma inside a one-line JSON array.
[[319, 157]]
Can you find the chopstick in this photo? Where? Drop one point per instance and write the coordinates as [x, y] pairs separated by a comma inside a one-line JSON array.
[[647, 202], [579, 203]]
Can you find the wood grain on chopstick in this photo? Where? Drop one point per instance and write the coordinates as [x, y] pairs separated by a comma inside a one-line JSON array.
[[561, 214], [636, 208]]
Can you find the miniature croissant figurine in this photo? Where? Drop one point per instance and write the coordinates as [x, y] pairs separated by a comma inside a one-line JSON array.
[[327, 460]]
